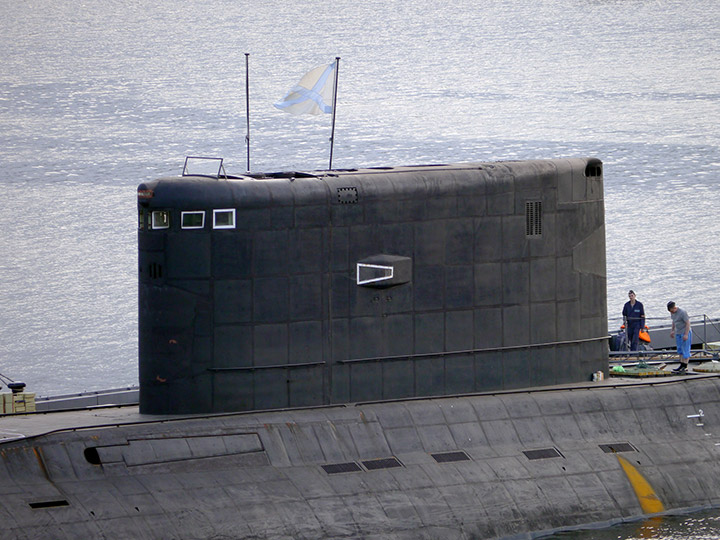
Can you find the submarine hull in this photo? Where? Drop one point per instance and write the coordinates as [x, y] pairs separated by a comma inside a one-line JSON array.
[[476, 466]]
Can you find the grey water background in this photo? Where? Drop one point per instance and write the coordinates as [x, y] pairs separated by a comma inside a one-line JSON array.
[[96, 97], [700, 525]]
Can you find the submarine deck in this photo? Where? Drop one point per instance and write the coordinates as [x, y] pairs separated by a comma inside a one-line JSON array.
[[19, 426], [491, 465]]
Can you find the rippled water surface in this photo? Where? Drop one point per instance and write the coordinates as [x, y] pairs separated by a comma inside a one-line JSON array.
[[701, 525], [97, 97]]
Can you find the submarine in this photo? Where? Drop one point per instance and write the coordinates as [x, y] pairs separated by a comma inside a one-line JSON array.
[[390, 352]]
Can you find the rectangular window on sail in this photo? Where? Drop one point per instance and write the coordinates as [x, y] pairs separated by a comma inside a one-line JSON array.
[[160, 219], [192, 220], [224, 219]]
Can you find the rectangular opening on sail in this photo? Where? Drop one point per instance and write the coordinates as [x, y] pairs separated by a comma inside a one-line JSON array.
[[193, 220], [160, 219], [382, 270], [373, 273], [224, 219]]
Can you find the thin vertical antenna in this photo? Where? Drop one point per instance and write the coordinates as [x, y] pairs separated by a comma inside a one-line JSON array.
[[247, 107], [332, 132]]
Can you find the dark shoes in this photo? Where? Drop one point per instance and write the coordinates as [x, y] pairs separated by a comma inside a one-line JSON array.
[[680, 369]]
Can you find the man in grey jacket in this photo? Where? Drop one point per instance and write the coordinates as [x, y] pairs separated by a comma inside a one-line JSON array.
[[682, 333]]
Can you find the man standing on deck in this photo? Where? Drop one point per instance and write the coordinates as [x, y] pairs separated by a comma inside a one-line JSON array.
[[682, 333], [634, 317]]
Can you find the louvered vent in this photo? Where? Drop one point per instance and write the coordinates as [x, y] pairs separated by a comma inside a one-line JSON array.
[[543, 453], [385, 463], [337, 468], [533, 218], [617, 447], [447, 457]]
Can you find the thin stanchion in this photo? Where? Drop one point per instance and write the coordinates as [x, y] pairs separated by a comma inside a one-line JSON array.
[[332, 132], [247, 107]]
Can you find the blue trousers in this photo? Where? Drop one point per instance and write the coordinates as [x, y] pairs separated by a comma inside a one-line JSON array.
[[633, 334], [683, 345]]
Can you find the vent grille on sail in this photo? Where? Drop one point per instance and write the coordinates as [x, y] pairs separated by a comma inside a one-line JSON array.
[[533, 218]]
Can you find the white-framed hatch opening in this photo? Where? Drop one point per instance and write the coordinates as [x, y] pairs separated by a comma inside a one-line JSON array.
[[192, 219], [224, 218], [373, 273]]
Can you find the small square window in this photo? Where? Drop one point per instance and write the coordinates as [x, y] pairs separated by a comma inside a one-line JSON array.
[[141, 219], [160, 219], [193, 220], [224, 219]]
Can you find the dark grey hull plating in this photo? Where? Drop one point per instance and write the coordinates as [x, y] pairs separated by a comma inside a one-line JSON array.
[[486, 466], [302, 289]]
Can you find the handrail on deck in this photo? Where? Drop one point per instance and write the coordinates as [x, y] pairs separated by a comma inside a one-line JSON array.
[[624, 356], [713, 322]]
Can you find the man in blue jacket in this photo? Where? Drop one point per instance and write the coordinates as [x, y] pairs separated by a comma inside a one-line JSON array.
[[634, 319]]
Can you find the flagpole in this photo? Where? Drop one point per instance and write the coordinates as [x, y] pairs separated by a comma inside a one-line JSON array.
[[332, 132], [247, 107]]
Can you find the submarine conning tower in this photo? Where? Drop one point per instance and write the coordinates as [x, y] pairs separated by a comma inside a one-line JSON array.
[[302, 289]]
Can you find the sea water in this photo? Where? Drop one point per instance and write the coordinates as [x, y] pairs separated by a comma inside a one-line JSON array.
[[96, 97], [699, 525]]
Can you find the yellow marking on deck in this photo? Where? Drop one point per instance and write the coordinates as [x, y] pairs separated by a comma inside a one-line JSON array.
[[649, 501]]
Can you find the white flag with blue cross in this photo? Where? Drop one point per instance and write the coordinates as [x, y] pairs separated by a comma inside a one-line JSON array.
[[313, 94]]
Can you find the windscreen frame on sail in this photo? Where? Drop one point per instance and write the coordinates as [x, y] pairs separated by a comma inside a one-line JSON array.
[[482, 277]]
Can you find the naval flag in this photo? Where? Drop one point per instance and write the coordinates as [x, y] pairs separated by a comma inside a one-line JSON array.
[[313, 94]]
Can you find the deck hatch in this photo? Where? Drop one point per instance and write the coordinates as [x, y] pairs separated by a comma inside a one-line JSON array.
[[337, 468], [383, 463], [543, 453], [447, 457], [615, 448]]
